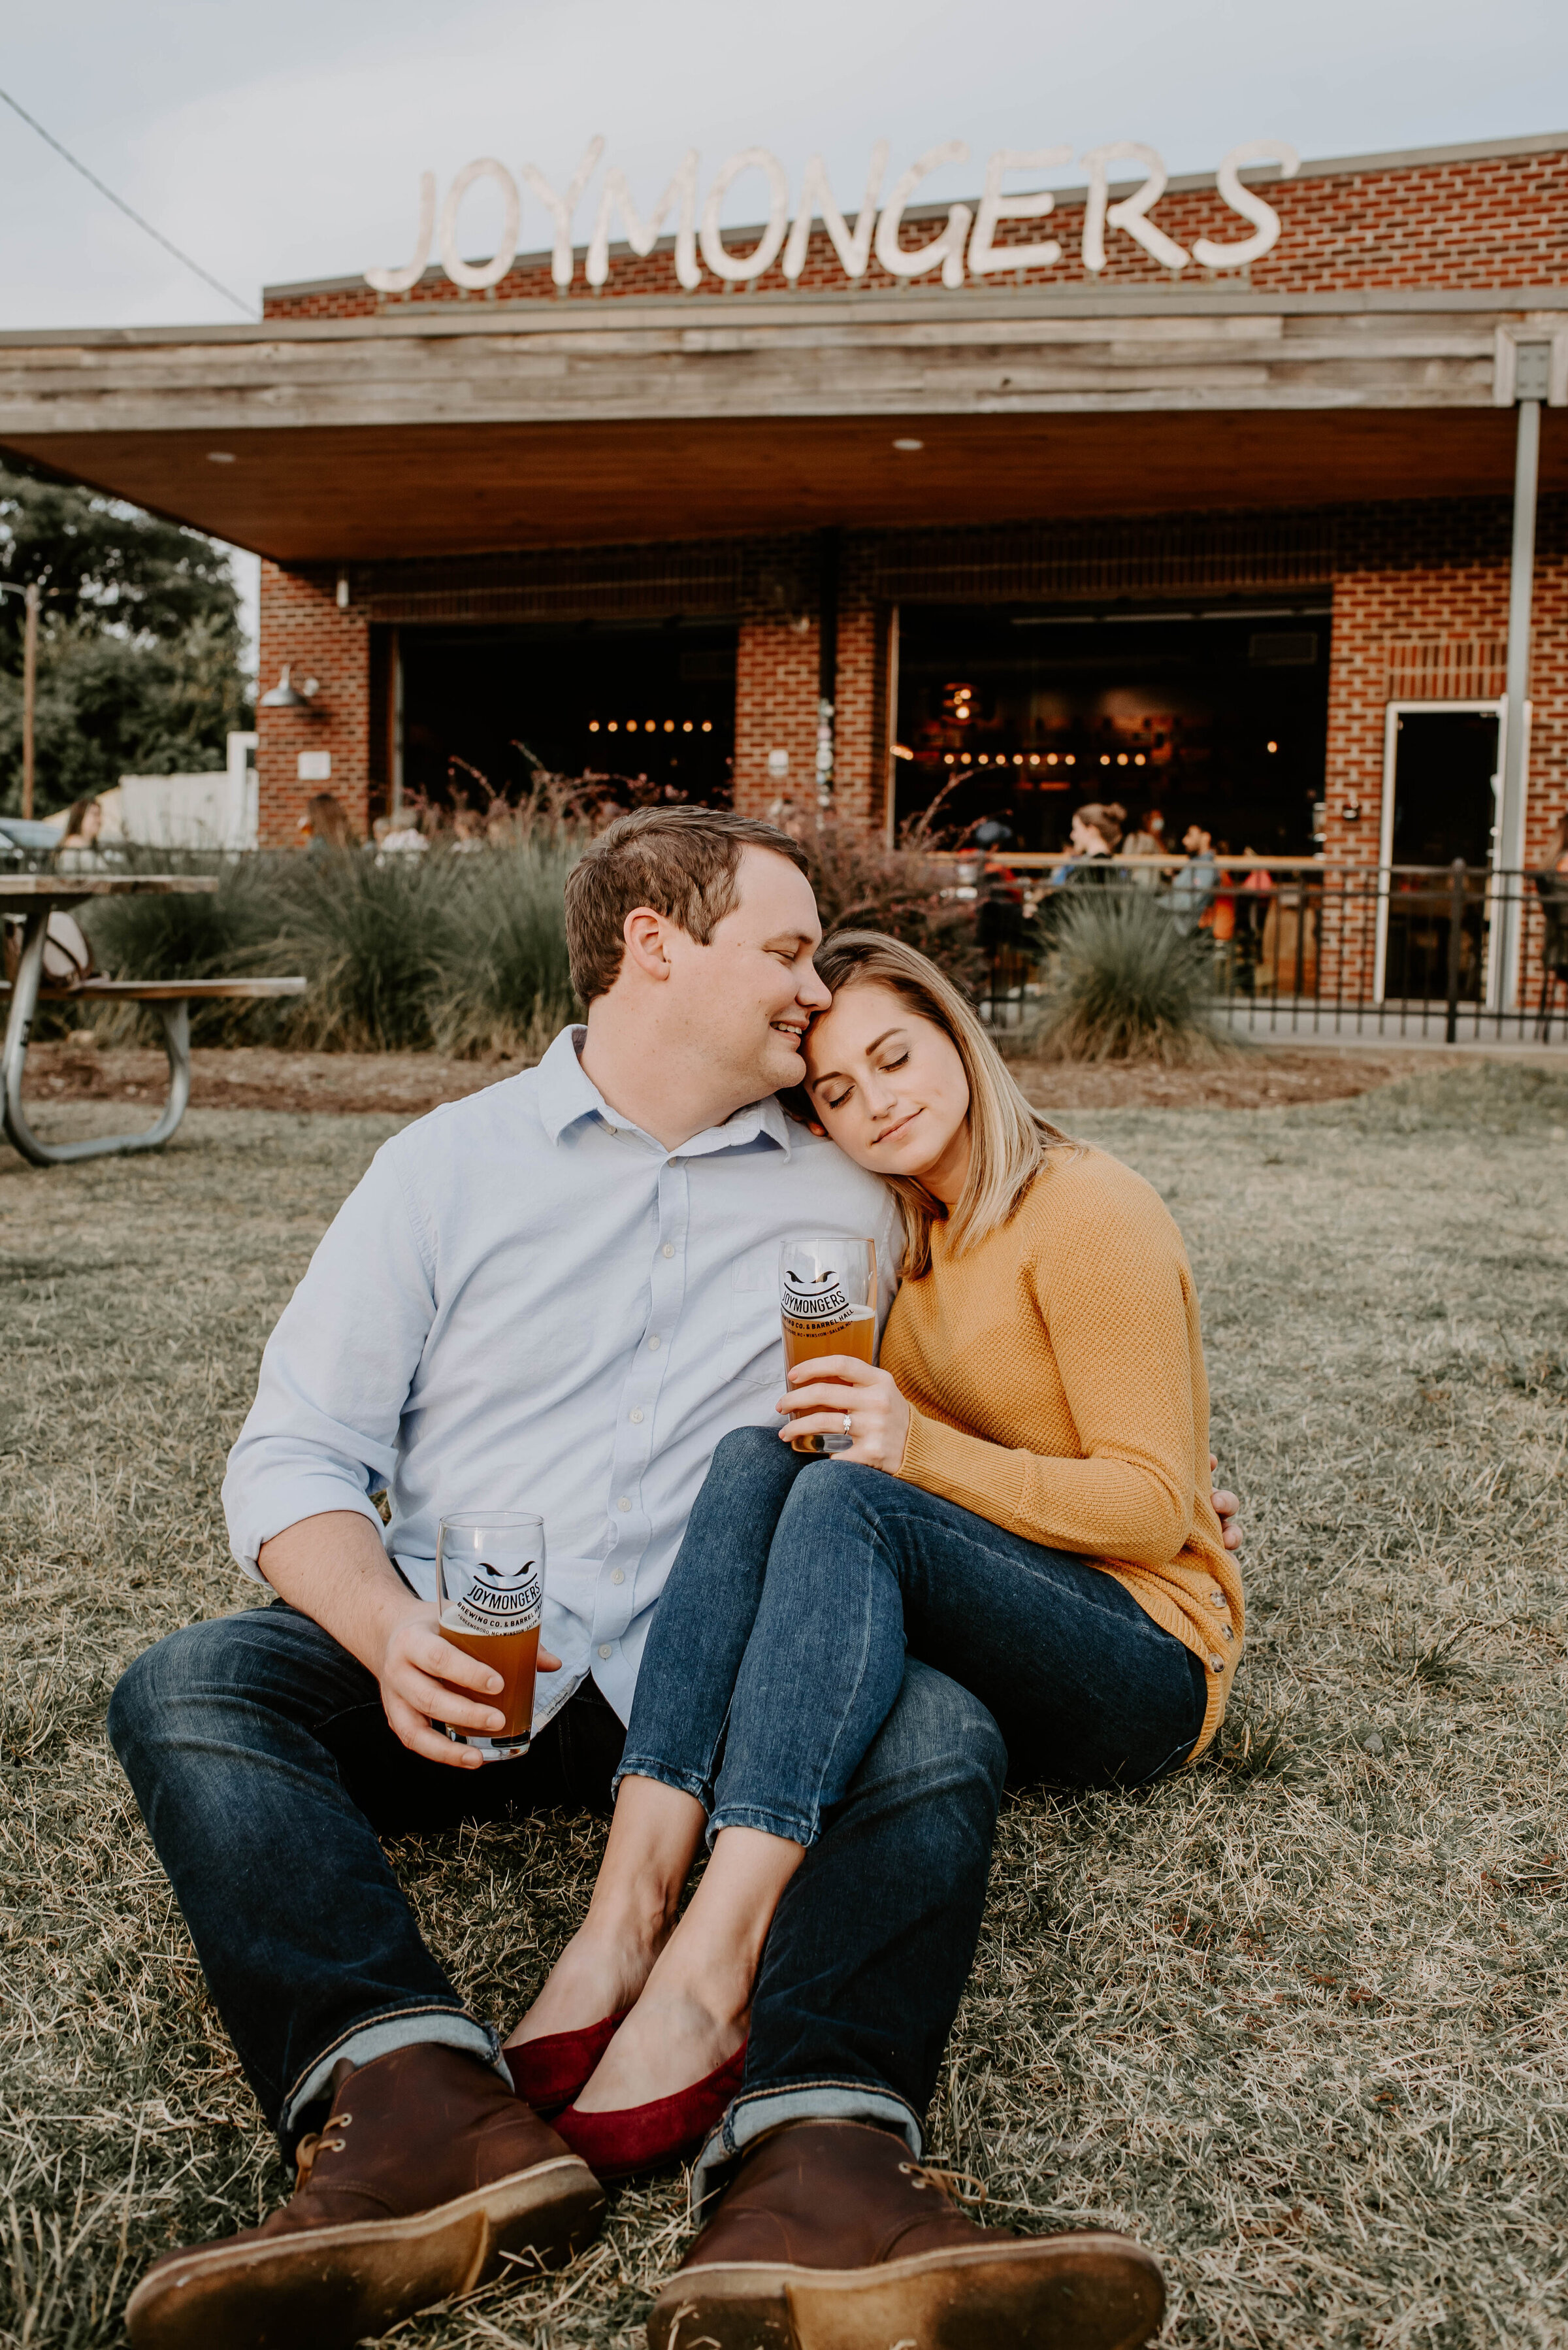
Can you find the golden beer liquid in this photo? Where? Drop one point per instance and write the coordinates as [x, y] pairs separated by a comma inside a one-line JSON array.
[[512, 1655], [854, 1333]]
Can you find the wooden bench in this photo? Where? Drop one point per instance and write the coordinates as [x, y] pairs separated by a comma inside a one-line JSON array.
[[172, 998]]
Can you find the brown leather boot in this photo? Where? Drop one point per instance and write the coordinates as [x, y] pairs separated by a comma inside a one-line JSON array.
[[426, 2171], [832, 2238]]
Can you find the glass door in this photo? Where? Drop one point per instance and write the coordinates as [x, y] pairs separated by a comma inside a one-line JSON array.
[[1442, 775]]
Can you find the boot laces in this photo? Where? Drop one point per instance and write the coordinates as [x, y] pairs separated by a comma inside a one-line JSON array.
[[961, 2185], [316, 2142]]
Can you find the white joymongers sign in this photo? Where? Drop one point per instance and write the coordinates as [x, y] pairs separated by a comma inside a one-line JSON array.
[[965, 244]]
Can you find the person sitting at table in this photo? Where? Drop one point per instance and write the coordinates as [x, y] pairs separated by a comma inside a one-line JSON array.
[[323, 824]]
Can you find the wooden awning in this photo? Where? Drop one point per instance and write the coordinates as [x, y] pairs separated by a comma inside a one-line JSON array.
[[430, 433]]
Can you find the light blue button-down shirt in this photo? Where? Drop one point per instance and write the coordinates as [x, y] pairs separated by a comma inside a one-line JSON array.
[[528, 1303]]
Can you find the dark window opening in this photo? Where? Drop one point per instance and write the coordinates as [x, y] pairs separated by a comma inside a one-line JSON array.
[[1213, 714], [648, 712]]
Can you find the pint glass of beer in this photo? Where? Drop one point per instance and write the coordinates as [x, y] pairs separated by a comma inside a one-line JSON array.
[[489, 1575], [827, 1298]]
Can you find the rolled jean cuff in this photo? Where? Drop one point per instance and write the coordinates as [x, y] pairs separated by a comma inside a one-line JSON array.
[[793, 1827], [446, 2027], [685, 1783], [757, 2111]]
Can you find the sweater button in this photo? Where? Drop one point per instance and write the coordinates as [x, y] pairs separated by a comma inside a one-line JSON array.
[[1217, 1600], [1215, 1664], [1226, 1633]]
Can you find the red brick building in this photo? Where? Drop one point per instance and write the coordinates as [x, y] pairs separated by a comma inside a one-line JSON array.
[[1231, 541]]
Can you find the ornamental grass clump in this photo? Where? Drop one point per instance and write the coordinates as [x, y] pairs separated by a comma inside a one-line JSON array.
[[502, 980], [1124, 982], [466, 952], [365, 932]]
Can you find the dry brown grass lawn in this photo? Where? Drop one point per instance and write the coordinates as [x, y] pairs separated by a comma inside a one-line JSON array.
[[1298, 2018]]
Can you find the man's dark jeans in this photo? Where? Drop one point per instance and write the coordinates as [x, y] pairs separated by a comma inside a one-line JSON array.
[[801, 1589], [267, 1774]]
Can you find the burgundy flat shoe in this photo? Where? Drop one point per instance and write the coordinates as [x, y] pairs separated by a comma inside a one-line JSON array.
[[647, 2137], [548, 2073]]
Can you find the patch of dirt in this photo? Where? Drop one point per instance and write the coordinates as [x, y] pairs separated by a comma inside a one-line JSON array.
[[261, 1076], [258, 1077], [1255, 1080]]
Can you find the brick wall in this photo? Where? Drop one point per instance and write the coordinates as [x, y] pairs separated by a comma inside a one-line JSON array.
[[777, 676], [1485, 221], [1421, 613], [1421, 603], [301, 624]]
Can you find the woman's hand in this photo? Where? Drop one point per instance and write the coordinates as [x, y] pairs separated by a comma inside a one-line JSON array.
[[824, 1389], [1226, 1506]]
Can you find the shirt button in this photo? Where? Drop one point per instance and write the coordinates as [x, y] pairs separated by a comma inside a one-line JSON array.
[[1217, 1600], [1226, 1633], [1215, 1664], [636, 1416], [653, 1346], [604, 1647], [669, 1249], [624, 1504], [618, 1575]]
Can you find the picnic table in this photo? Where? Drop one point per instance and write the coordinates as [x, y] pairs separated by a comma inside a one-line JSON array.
[[35, 897]]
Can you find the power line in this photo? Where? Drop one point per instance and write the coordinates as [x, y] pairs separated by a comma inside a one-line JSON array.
[[92, 178]]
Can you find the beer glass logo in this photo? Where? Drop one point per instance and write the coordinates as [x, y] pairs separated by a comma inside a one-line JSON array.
[[503, 1596], [820, 1301]]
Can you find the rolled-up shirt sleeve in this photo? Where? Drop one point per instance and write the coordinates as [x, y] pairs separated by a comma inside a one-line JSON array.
[[322, 1433]]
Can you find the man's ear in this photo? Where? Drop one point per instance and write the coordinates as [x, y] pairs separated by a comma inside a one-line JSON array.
[[643, 931]]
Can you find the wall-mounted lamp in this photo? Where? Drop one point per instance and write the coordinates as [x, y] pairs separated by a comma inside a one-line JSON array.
[[287, 695]]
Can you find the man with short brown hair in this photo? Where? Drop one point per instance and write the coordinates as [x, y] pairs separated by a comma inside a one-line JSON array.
[[560, 1293]]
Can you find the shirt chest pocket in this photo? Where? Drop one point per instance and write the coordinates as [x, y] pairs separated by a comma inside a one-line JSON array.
[[752, 1339]]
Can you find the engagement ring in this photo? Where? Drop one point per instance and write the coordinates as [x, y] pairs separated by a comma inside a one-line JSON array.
[[847, 1429]]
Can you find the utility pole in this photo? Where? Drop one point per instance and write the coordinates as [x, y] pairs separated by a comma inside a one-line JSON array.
[[29, 692]]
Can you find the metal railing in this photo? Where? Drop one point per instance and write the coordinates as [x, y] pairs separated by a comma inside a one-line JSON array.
[[1428, 954]]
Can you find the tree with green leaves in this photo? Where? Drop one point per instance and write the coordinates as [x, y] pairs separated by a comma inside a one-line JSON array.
[[140, 645]]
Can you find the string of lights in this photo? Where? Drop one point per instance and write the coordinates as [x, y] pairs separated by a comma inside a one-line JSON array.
[[92, 179]]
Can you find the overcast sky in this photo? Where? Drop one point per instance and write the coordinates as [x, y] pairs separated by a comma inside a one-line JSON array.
[[284, 142]]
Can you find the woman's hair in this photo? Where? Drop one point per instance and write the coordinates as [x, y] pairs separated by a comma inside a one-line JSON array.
[[1558, 845], [328, 821], [1008, 1138], [1108, 817]]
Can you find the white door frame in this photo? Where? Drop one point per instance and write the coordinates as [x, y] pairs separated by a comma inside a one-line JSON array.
[[1393, 713]]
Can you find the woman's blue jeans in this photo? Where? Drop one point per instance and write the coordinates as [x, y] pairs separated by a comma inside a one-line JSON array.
[[779, 1645]]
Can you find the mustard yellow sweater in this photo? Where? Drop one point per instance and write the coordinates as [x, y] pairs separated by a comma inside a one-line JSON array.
[[1054, 1374]]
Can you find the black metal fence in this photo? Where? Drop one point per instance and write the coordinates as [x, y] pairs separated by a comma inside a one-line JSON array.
[[1455, 955]]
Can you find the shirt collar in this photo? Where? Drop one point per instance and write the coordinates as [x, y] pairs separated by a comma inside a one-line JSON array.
[[567, 1094]]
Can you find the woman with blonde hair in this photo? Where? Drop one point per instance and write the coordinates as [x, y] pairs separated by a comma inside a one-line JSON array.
[[1021, 1498]]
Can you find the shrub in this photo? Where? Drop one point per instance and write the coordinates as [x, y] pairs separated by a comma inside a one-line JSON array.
[[364, 933], [466, 951], [502, 981], [1124, 983], [863, 885], [202, 936]]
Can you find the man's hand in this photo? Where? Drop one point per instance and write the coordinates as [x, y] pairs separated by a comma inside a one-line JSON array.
[[424, 1679], [334, 1569], [1225, 1508], [824, 1389]]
